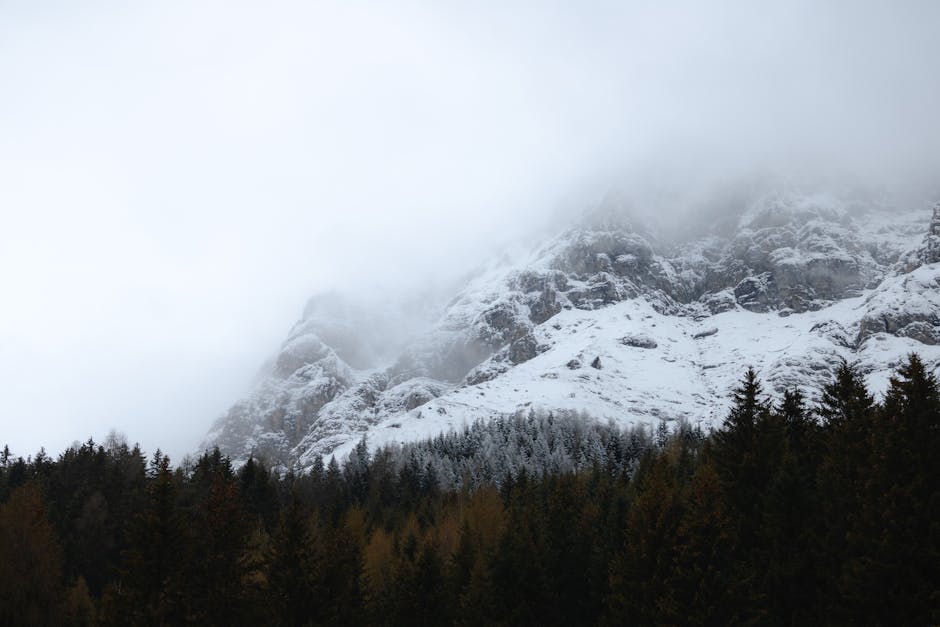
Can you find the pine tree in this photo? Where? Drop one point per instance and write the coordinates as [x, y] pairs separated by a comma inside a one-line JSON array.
[[259, 493], [786, 554], [78, 606], [151, 585], [788, 560], [219, 570], [639, 584], [291, 580], [30, 561], [379, 564], [337, 569], [847, 410], [896, 539], [420, 591], [738, 450], [519, 573], [706, 586], [800, 423]]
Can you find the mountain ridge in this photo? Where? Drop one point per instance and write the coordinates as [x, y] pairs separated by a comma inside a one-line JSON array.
[[606, 318]]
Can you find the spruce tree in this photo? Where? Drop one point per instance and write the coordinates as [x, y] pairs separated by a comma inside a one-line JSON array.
[[641, 573], [705, 587], [738, 452], [896, 539], [290, 578], [153, 562], [847, 410], [30, 561]]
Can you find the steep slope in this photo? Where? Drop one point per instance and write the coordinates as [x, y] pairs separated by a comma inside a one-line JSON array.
[[609, 319]]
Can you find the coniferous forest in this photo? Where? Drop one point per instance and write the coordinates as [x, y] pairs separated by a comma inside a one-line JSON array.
[[790, 513]]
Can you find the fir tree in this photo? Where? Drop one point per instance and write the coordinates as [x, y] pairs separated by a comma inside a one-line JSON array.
[[30, 561], [290, 577], [738, 449], [896, 538], [847, 410]]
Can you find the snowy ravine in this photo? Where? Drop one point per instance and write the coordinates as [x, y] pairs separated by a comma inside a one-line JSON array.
[[605, 318]]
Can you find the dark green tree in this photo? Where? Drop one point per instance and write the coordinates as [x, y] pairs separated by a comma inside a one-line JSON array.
[[151, 587], [30, 561], [847, 410], [893, 568], [291, 583]]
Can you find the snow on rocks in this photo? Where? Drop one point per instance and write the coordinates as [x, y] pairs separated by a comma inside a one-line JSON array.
[[803, 282]]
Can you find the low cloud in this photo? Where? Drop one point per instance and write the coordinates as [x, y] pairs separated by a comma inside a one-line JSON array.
[[176, 180]]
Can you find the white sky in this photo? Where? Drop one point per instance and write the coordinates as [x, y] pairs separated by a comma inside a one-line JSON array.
[[176, 178]]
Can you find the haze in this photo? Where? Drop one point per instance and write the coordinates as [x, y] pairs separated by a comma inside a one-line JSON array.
[[177, 178]]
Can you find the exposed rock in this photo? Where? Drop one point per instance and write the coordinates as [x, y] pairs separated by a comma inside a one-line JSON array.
[[756, 293], [503, 322], [593, 252], [929, 251], [638, 341], [932, 242], [923, 331], [601, 290], [717, 302], [836, 333], [299, 352], [520, 351], [546, 305], [523, 349]]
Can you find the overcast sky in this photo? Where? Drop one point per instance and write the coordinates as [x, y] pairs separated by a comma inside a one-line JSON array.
[[177, 178]]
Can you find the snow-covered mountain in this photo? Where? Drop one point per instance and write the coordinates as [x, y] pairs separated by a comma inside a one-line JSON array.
[[611, 319]]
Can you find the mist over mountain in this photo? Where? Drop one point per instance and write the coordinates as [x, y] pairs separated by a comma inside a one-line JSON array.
[[632, 313], [177, 180]]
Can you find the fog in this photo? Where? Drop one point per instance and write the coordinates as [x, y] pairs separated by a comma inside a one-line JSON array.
[[177, 178]]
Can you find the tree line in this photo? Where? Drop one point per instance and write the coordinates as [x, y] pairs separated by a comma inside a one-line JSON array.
[[786, 514]]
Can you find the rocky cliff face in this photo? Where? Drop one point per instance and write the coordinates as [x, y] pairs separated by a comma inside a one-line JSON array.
[[608, 318]]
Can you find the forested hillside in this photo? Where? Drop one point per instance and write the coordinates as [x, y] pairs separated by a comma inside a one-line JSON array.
[[787, 514]]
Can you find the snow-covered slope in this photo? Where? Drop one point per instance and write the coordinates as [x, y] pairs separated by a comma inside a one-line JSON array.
[[607, 319]]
